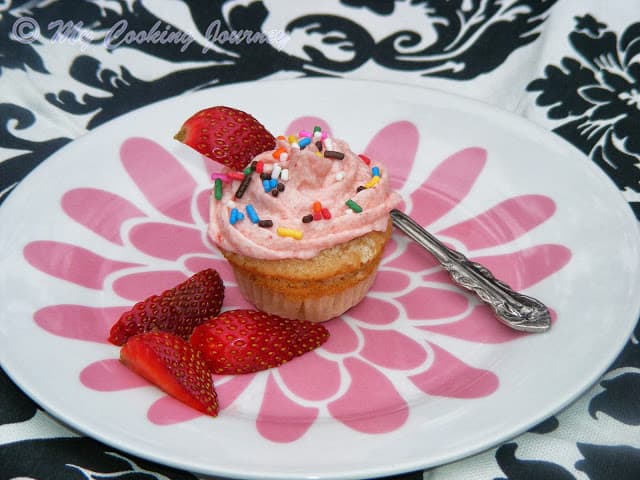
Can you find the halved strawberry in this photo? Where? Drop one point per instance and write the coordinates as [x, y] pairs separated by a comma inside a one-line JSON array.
[[245, 341], [226, 135], [173, 365], [177, 310]]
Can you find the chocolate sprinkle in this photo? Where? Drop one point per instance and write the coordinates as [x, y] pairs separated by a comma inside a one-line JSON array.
[[243, 186], [307, 218], [333, 154], [280, 187], [319, 145], [265, 223]]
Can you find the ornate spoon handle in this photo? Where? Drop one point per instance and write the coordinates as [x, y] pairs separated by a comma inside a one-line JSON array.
[[514, 309]]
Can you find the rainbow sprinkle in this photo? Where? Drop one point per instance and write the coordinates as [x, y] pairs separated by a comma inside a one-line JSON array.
[[372, 183], [253, 215], [353, 206], [304, 141], [235, 216], [217, 189], [289, 232]]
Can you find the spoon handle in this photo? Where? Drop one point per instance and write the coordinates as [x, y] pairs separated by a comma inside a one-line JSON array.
[[518, 311]]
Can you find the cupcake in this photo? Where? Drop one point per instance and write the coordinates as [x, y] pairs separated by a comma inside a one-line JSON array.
[[304, 226]]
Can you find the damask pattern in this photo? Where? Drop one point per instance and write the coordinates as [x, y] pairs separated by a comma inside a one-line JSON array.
[[451, 42], [597, 98]]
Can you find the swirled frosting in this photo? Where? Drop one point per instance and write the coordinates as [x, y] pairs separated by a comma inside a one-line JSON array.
[[309, 177]]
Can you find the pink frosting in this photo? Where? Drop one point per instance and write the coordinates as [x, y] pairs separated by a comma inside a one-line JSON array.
[[311, 178]]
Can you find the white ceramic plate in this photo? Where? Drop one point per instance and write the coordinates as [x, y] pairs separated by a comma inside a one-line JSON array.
[[416, 376]]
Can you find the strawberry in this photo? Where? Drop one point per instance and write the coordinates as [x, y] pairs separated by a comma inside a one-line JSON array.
[[245, 341], [177, 310], [226, 135], [172, 364]]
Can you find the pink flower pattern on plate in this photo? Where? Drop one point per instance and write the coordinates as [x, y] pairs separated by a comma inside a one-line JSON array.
[[382, 355]]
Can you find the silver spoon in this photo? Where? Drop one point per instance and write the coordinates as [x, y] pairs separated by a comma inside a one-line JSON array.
[[514, 309]]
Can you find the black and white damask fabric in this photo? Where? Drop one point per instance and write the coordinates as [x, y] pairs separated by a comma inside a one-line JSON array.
[[573, 66]]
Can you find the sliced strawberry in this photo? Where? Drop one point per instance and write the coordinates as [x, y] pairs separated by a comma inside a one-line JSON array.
[[226, 135], [173, 365], [177, 310], [245, 341]]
